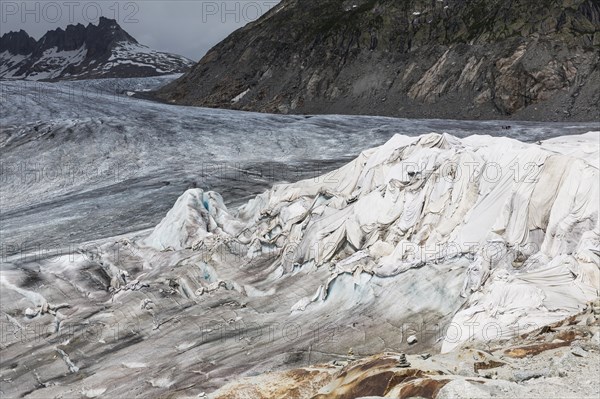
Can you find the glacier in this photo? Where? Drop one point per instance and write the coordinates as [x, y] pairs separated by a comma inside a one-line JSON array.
[[200, 265]]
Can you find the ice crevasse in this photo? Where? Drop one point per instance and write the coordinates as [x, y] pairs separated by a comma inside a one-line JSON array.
[[519, 219]]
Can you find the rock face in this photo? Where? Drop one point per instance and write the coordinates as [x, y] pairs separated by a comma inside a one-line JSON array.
[[17, 43], [418, 58], [78, 52]]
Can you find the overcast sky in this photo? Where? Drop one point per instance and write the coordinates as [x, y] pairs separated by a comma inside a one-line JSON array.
[[189, 28]]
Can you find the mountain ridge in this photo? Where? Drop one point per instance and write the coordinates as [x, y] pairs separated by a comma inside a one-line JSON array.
[[78, 52]]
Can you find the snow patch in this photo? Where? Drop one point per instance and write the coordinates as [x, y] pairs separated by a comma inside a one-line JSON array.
[[237, 98], [53, 62]]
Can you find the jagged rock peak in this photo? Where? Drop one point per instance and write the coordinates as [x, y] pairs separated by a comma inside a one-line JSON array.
[[78, 52], [17, 43]]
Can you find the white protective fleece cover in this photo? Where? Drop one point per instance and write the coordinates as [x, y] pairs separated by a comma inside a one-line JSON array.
[[520, 219]]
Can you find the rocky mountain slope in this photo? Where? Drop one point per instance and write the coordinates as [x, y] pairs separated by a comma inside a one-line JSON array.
[[78, 52], [475, 59]]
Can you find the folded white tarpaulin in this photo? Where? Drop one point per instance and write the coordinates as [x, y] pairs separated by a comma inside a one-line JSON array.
[[520, 220]]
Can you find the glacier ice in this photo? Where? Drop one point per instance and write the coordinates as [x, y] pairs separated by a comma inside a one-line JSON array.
[[443, 238]]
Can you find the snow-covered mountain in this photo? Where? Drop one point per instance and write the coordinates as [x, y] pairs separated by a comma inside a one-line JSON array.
[[93, 51]]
